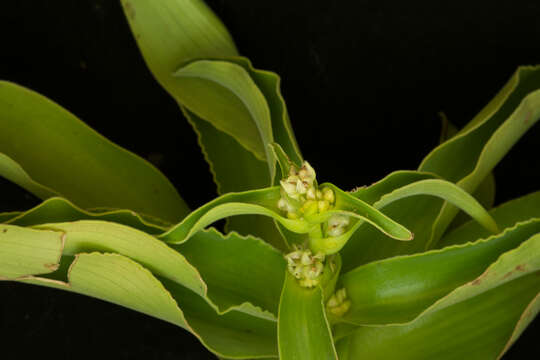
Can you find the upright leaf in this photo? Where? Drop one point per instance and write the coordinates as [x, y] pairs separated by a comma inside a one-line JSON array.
[[303, 329], [472, 154]]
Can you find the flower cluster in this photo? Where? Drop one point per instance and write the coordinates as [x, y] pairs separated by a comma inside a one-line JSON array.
[[338, 304], [305, 266], [300, 195]]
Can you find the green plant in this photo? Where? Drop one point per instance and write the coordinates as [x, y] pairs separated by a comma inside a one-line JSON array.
[[454, 287]]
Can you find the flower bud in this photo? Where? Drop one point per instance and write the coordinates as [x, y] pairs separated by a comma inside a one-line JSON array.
[[288, 186], [338, 304], [323, 205], [328, 195], [311, 194], [307, 173]]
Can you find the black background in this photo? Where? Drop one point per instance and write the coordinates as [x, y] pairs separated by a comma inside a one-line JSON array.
[[363, 80]]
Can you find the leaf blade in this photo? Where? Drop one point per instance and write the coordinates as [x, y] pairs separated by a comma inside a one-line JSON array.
[[52, 147], [303, 330]]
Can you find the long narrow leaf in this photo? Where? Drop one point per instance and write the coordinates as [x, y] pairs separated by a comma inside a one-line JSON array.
[[476, 320], [472, 154], [506, 215], [396, 290], [54, 150], [447, 191]]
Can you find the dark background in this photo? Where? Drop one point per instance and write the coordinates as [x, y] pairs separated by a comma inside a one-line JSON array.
[[363, 80]]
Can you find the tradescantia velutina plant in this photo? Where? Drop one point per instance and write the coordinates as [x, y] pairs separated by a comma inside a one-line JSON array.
[[305, 270]]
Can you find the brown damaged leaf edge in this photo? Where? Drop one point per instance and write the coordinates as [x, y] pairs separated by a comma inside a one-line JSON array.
[[51, 267]]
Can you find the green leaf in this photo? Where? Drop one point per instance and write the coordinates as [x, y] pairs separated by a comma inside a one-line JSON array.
[[282, 159], [371, 194], [250, 174], [526, 318], [223, 260], [303, 329], [219, 262], [235, 334], [506, 215], [346, 202], [264, 202], [447, 191], [417, 213], [475, 321], [484, 193], [61, 210], [103, 236], [50, 152], [224, 94], [171, 33], [398, 289], [25, 252], [473, 153], [259, 202], [120, 280], [269, 84]]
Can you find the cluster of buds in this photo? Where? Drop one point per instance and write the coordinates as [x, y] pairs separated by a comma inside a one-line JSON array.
[[300, 195], [338, 304], [305, 266]]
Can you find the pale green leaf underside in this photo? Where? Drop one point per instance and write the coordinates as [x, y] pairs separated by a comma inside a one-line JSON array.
[[506, 215], [120, 280], [447, 191], [50, 152], [475, 321], [395, 180], [156, 256], [109, 235], [398, 289], [25, 252], [222, 317], [303, 330]]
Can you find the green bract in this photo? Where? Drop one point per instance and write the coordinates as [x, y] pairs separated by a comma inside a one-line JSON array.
[[305, 270]]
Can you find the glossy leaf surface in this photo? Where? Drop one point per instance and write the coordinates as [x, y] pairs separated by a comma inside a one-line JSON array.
[[398, 289], [474, 321]]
